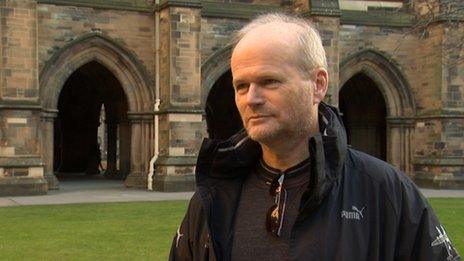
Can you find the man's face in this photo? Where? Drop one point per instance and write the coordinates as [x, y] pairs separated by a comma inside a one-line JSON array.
[[274, 98]]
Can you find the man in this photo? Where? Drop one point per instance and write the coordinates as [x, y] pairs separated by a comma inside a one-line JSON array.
[[289, 188]]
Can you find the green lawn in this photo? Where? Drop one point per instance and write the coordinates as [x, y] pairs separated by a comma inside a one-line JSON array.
[[114, 231], [450, 211], [124, 231]]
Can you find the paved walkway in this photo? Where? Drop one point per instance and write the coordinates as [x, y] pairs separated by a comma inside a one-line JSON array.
[[93, 191], [79, 190], [443, 193]]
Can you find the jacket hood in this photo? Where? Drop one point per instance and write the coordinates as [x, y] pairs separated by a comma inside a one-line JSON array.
[[226, 159]]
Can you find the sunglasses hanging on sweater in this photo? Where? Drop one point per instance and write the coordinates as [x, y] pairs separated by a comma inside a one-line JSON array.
[[275, 214]]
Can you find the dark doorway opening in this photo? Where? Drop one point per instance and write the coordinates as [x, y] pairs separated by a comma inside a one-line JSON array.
[[364, 115], [222, 117], [91, 132]]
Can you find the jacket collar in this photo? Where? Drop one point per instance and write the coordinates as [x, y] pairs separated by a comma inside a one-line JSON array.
[[223, 165], [226, 159]]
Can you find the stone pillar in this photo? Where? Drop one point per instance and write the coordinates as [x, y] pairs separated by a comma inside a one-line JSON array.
[[21, 165], [141, 149], [399, 143], [438, 151], [111, 169], [439, 131], [47, 130], [124, 148], [180, 115], [325, 14]]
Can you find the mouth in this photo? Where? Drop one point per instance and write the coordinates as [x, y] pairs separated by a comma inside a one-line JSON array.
[[257, 117]]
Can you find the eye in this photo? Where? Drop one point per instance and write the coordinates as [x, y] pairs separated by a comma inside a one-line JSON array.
[[241, 87], [270, 82]]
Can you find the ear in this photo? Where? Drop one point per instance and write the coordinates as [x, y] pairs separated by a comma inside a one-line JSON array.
[[321, 84]]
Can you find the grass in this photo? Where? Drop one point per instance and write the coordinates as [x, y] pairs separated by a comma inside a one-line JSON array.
[[125, 231], [450, 211], [115, 231]]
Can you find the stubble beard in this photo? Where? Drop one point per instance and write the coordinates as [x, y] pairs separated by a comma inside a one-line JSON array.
[[298, 128]]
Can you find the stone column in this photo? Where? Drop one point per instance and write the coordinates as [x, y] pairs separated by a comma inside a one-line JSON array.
[[452, 96], [141, 149], [47, 130], [21, 165], [124, 148], [180, 115], [111, 169], [439, 132], [326, 15], [438, 151], [399, 143]]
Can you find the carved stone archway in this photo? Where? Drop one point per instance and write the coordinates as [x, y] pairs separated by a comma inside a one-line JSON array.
[[397, 95], [213, 68], [218, 95], [134, 80]]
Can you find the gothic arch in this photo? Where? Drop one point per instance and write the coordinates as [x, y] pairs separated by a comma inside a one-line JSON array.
[[134, 80], [96, 47], [398, 97], [218, 98], [386, 74], [213, 68]]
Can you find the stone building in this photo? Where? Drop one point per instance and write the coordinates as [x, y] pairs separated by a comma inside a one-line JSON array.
[[159, 72]]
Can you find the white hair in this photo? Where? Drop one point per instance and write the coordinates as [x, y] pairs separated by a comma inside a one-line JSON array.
[[310, 51]]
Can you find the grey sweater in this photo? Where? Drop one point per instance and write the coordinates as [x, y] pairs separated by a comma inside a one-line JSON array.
[[251, 239]]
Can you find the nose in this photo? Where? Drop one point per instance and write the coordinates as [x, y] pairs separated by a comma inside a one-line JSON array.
[[254, 95]]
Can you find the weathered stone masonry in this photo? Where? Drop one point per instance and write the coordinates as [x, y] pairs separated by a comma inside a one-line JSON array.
[[21, 167], [176, 51]]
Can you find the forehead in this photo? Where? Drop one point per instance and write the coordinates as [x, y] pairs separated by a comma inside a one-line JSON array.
[[259, 54], [262, 47], [270, 33]]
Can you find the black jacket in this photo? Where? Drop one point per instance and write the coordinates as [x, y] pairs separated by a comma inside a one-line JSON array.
[[356, 207]]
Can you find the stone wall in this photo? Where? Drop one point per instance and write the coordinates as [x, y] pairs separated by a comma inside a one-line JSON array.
[[180, 41], [21, 169], [20, 135], [59, 24], [428, 86], [393, 42], [130, 32], [19, 65], [426, 79], [429, 133], [417, 56], [329, 30], [438, 161], [453, 67], [180, 116], [270, 2], [216, 34], [436, 84]]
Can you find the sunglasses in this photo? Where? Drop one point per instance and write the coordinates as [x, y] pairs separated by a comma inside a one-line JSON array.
[[275, 214]]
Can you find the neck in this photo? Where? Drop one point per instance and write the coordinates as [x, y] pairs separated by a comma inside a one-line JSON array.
[[285, 155]]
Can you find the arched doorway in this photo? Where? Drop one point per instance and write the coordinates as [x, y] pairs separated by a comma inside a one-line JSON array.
[[90, 134], [222, 117], [364, 112], [370, 69], [218, 97], [129, 114]]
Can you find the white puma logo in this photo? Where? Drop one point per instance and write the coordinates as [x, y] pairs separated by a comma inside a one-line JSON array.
[[355, 214], [357, 210]]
